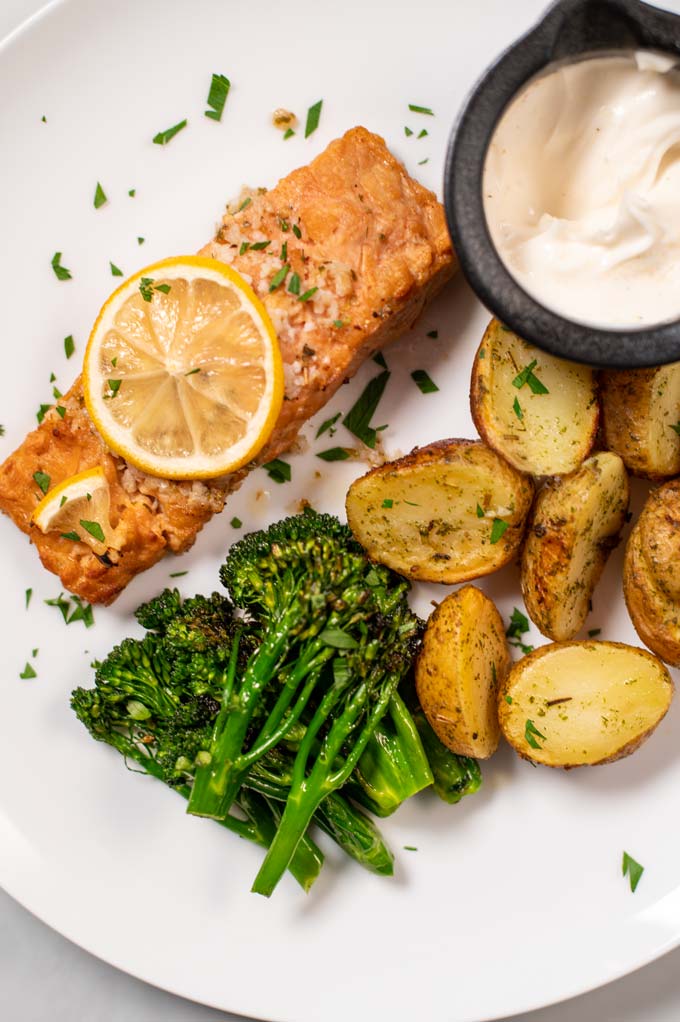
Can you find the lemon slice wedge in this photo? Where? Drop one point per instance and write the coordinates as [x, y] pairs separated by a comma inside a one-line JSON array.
[[183, 374], [78, 509]]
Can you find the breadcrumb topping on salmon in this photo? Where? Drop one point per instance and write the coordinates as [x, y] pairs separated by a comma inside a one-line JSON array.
[[365, 246]]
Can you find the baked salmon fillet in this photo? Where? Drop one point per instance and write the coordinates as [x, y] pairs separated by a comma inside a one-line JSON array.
[[374, 244]]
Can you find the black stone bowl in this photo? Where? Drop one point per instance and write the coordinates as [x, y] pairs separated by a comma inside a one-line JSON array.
[[568, 29]]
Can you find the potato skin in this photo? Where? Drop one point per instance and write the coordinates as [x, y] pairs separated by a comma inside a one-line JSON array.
[[651, 579], [575, 524], [463, 660], [419, 515], [639, 409], [566, 711], [556, 430]]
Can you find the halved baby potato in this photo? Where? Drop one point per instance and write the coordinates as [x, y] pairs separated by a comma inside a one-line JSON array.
[[575, 525], [641, 419], [463, 660], [651, 573], [538, 411], [448, 512], [572, 704]]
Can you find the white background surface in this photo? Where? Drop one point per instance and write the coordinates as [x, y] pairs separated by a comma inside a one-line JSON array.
[[43, 976]]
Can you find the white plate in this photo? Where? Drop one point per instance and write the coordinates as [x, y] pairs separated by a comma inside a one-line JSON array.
[[514, 898]]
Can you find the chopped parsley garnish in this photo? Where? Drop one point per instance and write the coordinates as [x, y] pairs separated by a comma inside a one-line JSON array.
[[236, 523], [115, 270], [434, 334], [244, 205], [335, 454], [296, 231], [594, 632], [288, 133], [424, 383], [140, 241], [114, 386], [73, 536], [420, 109], [517, 409], [28, 672], [163, 137], [60, 271], [528, 376], [132, 193], [43, 119], [410, 848], [279, 471], [147, 286], [99, 196], [519, 625], [245, 245], [328, 424], [2, 430], [178, 574], [42, 480], [79, 612], [42, 411], [479, 511], [283, 224], [531, 733], [284, 252], [423, 133], [279, 277], [676, 427], [497, 529], [258, 246], [60, 410], [308, 294], [340, 323], [63, 500], [217, 96], [52, 377], [633, 869], [29, 594], [422, 162], [337, 639], [508, 700], [407, 131], [387, 502], [193, 371], [114, 361], [313, 115], [69, 346], [379, 360], [358, 418], [94, 529], [294, 284], [56, 393]]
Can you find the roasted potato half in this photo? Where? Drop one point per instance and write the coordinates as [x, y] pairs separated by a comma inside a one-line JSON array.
[[640, 418], [464, 658], [575, 525], [447, 512], [539, 412], [651, 573], [573, 704]]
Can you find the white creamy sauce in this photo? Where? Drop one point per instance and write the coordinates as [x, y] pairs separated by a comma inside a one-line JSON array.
[[582, 190]]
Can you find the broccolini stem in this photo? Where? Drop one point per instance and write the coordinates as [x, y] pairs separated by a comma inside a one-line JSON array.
[[306, 795], [355, 833], [231, 726]]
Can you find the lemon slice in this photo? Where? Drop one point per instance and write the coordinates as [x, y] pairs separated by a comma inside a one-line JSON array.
[[183, 374], [78, 509]]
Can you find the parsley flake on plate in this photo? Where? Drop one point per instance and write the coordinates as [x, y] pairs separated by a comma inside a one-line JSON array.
[[334, 454], [69, 345], [217, 96], [278, 470], [163, 137], [313, 116], [633, 869], [423, 381], [60, 272], [358, 418], [421, 109], [100, 197]]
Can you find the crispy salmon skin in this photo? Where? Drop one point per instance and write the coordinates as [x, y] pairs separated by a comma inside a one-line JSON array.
[[369, 246]]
